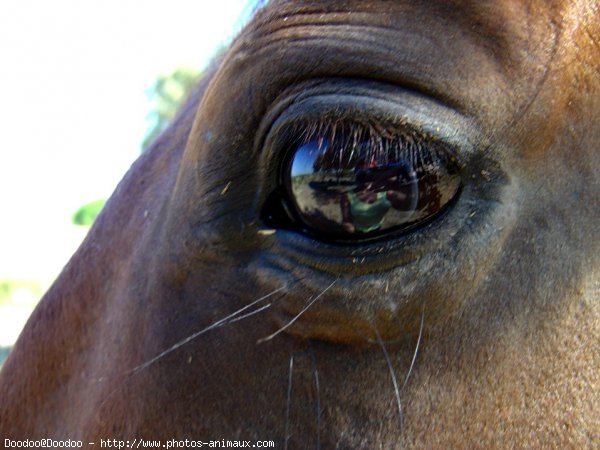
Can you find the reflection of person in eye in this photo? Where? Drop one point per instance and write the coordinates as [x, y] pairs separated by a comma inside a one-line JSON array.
[[364, 208]]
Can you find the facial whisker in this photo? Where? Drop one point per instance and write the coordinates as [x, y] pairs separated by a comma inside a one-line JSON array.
[[297, 316], [414, 358], [251, 313], [193, 336], [318, 397], [392, 373], [289, 402]]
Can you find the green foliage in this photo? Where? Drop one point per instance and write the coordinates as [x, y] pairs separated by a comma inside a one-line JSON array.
[[167, 95], [86, 215]]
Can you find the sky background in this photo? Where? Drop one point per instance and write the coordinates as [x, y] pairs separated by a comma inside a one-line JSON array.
[[73, 77], [304, 158]]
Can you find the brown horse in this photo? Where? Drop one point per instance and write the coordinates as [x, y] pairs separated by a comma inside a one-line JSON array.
[[205, 305]]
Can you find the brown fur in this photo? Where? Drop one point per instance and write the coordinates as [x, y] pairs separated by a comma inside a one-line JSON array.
[[501, 293]]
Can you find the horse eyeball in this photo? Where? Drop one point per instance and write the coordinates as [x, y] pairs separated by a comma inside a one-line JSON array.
[[352, 183]]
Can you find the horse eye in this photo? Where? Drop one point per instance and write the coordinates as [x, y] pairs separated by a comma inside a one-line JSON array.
[[352, 183]]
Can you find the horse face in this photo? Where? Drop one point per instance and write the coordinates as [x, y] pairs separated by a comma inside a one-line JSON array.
[[206, 302]]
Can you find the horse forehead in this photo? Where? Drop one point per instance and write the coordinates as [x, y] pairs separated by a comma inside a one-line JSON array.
[[465, 8], [504, 26], [490, 17]]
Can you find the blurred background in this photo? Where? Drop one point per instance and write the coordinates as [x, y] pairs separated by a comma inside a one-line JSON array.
[[85, 86]]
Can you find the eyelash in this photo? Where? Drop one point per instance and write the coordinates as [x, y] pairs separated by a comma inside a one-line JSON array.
[[383, 142]]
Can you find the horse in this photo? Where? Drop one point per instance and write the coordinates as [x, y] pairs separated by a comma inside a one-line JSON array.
[[218, 300]]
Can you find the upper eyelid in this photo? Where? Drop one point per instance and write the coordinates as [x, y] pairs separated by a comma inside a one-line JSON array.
[[367, 101], [406, 110]]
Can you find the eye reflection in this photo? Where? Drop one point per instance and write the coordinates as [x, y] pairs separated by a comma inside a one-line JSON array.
[[349, 183]]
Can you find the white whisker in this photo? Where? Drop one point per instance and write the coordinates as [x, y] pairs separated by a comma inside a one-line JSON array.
[[256, 311], [193, 336], [289, 402], [318, 397], [414, 358], [287, 325], [392, 373]]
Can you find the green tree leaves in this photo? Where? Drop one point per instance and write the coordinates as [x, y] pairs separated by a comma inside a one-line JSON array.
[[167, 95], [86, 215]]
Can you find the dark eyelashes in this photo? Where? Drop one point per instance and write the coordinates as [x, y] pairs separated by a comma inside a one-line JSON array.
[[371, 140]]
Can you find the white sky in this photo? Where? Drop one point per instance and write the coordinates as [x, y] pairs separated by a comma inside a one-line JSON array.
[[73, 109]]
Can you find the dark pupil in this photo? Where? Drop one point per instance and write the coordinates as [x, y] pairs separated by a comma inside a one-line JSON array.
[[349, 184]]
